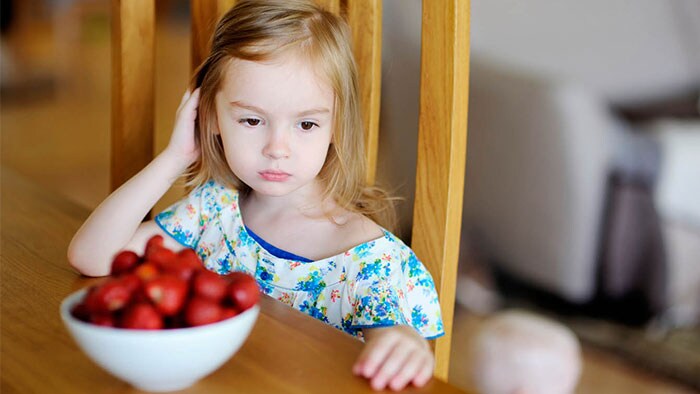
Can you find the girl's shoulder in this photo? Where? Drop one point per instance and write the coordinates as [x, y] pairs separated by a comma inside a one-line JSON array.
[[213, 193], [212, 187], [354, 229], [369, 241]]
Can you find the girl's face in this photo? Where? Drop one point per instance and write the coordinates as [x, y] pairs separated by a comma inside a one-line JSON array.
[[275, 119]]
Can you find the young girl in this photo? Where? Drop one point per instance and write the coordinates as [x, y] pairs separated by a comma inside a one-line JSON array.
[[273, 139]]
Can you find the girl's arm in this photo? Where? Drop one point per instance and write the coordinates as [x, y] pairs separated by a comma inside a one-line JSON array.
[[116, 222], [394, 357]]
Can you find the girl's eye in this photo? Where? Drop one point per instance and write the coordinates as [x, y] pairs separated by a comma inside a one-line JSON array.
[[250, 121], [307, 125]]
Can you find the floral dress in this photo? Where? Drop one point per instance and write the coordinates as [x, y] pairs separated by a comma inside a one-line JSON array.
[[375, 284]]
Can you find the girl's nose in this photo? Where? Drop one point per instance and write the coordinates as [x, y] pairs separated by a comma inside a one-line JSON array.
[[277, 146]]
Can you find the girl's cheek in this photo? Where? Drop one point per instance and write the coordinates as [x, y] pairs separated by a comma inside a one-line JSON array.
[[317, 164]]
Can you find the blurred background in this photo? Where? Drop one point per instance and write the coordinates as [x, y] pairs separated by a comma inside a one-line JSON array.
[[582, 193]]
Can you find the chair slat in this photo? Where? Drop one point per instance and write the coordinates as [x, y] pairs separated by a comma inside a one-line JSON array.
[[365, 20], [329, 5], [442, 143], [205, 14], [133, 51]]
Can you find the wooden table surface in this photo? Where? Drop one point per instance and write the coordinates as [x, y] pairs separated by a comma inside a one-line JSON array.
[[287, 351]]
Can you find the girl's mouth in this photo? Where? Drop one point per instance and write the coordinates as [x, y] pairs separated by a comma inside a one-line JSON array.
[[274, 175]]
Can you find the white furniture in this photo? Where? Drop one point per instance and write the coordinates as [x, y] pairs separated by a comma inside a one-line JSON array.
[[540, 153]]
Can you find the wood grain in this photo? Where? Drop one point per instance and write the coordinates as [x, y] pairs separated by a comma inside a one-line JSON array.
[[365, 20], [287, 350], [442, 144], [133, 43], [205, 14], [330, 5]]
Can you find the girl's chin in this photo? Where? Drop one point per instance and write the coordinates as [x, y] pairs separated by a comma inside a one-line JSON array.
[[292, 185], [273, 190]]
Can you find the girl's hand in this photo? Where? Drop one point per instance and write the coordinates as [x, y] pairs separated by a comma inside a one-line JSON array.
[[117, 221], [394, 357], [182, 142]]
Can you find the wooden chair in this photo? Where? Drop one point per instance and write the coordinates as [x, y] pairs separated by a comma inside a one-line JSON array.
[[442, 136]]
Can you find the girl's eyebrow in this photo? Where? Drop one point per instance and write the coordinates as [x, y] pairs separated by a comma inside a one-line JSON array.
[[249, 107], [313, 111]]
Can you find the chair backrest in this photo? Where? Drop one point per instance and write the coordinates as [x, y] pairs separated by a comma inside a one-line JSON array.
[[442, 134]]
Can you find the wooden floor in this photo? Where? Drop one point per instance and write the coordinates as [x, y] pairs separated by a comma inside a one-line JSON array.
[[55, 130]]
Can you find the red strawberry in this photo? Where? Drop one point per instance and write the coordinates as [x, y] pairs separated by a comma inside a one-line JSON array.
[[242, 290], [81, 312], [103, 319], [140, 296], [147, 271], [123, 262], [153, 244], [209, 285], [186, 264], [162, 257], [141, 316], [228, 313], [180, 270], [189, 257], [131, 281], [155, 241], [176, 321], [110, 296], [90, 301], [168, 293], [200, 311]]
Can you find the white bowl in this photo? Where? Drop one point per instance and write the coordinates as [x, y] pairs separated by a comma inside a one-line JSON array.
[[159, 360]]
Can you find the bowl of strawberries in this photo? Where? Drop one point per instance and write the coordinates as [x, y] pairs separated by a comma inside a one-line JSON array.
[[162, 321]]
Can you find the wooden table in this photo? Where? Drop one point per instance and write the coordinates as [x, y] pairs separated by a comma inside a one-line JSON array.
[[287, 351]]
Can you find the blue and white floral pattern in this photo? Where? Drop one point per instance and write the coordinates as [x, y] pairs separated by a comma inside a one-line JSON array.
[[377, 283]]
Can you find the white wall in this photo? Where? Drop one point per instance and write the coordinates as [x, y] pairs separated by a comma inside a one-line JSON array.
[[626, 50], [398, 136], [629, 50]]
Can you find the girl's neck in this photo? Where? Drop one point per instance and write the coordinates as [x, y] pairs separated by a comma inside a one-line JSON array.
[[307, 201]]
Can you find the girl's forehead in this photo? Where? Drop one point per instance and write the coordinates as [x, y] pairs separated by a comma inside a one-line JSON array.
[[291, 68], [282, 82]]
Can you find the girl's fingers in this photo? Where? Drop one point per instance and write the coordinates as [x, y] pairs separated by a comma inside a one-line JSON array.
[[424, 374], [392, 365], [193, 99], [188, 110], [195, 94], [415, 362], [189, 99], [373, 355], [193, 102], [183, 100]]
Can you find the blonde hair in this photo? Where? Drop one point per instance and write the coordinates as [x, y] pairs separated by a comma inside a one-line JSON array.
[[258, 30]]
